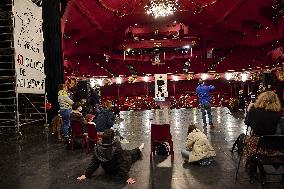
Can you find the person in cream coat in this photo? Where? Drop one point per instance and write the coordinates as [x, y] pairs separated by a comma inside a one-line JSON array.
[[198, 148]]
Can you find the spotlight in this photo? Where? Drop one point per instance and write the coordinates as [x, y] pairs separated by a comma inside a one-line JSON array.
[[175, 78], [244, 77], [229, 76], [146, 78], [118, 80], [100, 82], [204, 76]]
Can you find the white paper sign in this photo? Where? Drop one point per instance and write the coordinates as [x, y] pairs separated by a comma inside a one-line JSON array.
[[161, 89], [28, 43]]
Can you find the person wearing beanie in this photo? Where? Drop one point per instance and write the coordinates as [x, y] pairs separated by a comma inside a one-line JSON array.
[[113, 159]]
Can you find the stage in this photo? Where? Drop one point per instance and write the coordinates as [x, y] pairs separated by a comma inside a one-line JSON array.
[[39, 161]]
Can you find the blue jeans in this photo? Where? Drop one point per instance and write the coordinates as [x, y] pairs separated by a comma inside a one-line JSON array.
[[185, 154], [206, 161], [65, 114], [206, 108]]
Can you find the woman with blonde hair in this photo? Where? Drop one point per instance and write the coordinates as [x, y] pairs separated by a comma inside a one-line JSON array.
[[263, 118], [264, 114]]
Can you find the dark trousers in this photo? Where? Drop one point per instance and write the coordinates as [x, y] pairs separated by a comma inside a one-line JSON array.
[[206, 108]]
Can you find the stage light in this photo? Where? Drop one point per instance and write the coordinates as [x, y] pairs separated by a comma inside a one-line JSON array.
[[146, 78], [118, 80], [244, 77], [100, 82], [204, 76], [175, 78], [229, 76]]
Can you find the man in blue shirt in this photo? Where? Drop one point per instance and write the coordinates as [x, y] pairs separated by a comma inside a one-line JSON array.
[[202, 92]]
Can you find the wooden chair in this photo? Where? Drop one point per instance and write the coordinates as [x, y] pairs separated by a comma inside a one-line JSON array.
[[160, 134]]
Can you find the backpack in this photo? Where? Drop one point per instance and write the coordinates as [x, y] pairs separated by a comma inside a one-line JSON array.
[[162, 149], [239, 144]]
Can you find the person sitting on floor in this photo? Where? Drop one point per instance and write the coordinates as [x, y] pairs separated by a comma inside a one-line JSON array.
[[105, 119], [112, 158], [76, 115], [263, 117], [198, 148]]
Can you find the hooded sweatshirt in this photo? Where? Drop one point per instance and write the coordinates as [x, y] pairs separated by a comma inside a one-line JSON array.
[[112, 158]]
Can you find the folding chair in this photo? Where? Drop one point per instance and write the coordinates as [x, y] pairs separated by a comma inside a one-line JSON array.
[[160, 134], [77, 133], [272, 142], [92, 136]]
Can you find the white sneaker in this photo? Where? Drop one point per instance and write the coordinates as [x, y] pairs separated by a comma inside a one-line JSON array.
[[124, 141]]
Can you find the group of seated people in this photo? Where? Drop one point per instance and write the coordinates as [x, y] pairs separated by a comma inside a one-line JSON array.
[[72, 112], [102, 120], [114, 160], [263, 117]]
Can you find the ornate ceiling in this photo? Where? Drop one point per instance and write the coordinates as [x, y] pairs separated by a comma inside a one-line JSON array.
[[98, 27]]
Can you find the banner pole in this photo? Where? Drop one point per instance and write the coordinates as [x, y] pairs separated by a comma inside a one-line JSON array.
[[17, 110]]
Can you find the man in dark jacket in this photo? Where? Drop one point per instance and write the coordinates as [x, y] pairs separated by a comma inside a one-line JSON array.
[[112, 158], [104, 118], [202, 92]]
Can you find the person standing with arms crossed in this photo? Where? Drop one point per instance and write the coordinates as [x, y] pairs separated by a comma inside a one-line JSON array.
[[202, 92]]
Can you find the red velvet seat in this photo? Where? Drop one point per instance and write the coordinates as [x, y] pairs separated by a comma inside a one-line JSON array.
[[77, 133], [160, 134], [92, 135]]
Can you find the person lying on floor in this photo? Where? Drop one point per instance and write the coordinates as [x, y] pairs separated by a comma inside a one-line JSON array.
[[112, 158], [198, 148]]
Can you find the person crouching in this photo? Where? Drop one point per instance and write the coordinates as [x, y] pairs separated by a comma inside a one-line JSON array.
[[198, 148]]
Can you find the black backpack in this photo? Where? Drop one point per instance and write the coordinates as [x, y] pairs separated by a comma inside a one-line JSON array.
[[239, 144], [162, 149]]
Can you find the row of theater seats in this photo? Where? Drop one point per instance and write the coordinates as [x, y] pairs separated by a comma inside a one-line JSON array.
[[181, 101], [221, 61]]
